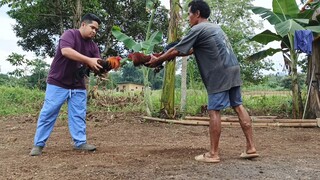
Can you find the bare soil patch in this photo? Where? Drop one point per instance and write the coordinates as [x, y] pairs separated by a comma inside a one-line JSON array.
[[128, 148]]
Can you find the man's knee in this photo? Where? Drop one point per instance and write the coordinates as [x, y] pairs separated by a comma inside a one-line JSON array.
[[239, 109], [214, 114]]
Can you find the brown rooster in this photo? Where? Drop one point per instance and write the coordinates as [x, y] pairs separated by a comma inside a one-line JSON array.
[[114, 62], [110, 63]]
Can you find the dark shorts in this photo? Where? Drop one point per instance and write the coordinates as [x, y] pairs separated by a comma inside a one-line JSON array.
[[222, 100]]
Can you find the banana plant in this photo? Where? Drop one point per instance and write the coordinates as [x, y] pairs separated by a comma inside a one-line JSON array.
[[146, 47], [286, 18]]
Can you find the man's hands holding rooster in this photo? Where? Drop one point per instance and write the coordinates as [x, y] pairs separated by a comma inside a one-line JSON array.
[[110, 63]]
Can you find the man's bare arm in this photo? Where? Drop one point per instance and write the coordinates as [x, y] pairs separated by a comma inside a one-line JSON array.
[[170, 54], [76, 56]]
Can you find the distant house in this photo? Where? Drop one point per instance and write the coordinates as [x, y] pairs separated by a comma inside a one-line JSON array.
[[126, 87]]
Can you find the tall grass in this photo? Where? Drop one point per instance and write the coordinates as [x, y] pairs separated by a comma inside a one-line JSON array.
[[17, 101], [276, 103], [195, 99]]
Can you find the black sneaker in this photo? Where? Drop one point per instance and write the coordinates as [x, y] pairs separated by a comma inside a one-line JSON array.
[[85, 147], [36, 151]]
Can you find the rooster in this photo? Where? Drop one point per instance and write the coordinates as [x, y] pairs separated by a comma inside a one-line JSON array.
[[112, 62], [140, 58]]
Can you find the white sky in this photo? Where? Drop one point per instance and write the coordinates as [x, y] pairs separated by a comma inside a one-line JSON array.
[[8, 40]]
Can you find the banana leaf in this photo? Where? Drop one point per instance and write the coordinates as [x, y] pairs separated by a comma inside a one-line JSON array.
[[266, 37], [267, 14], [285, 7], [263, 54], [128, 41], [286, 27]]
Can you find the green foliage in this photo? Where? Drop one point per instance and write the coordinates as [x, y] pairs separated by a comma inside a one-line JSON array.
[[40, 23], [274, 105], [38, 69], [193, 79], [145, 46], [263, 53], [39, 73], [266, 37], [17, 60], [287, 84], [156, 79], [17, 101], [132, 74], [284, 17], [9, 81], [277, 104], [275, 83]]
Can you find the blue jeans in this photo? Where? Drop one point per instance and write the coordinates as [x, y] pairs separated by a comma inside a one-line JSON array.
[[77, 106], [222, 100]]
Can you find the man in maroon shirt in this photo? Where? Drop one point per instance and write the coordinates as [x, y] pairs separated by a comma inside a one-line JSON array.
[[75, 49]]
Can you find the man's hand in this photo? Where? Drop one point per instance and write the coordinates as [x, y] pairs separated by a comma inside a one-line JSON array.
[[154, 62], [110, 63], [93, 64]]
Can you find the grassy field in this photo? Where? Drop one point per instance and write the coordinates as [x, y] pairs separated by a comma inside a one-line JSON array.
[[17, 101]]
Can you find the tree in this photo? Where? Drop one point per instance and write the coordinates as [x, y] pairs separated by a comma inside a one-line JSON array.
[[236, 20], [38, 77], [40, 23], [146, 47], [156, 79], [286, 18], [7, 80], [37, 22], [167, 108], [131, 74], [38, 69]]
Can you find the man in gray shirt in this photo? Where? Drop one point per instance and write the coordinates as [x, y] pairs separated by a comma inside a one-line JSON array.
[[220, 73]]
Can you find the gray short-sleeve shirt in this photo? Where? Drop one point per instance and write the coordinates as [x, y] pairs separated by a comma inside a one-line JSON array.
[[218, 65]]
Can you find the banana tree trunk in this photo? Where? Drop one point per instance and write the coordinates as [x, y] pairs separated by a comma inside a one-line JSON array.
[[297, 106], [167, 97], [313, 79], [146, 71]]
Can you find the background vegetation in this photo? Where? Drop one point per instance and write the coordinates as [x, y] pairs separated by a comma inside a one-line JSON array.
[[39, 26], [272, 97]]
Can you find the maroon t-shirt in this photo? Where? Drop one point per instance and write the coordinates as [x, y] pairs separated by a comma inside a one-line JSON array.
[[63, 70]]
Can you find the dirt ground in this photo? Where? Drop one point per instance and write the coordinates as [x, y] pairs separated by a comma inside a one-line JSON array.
[[128, 148]]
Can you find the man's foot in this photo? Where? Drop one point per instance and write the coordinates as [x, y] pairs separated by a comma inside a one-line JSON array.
[[36, 151], [85, 147], [206, 157], [247, 155]]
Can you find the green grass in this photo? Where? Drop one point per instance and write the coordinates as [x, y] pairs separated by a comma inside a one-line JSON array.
[[276, 103], [18, 101]]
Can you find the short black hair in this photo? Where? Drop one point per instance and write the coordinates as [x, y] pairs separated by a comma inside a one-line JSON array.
[[89, 17], [201, 6]]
